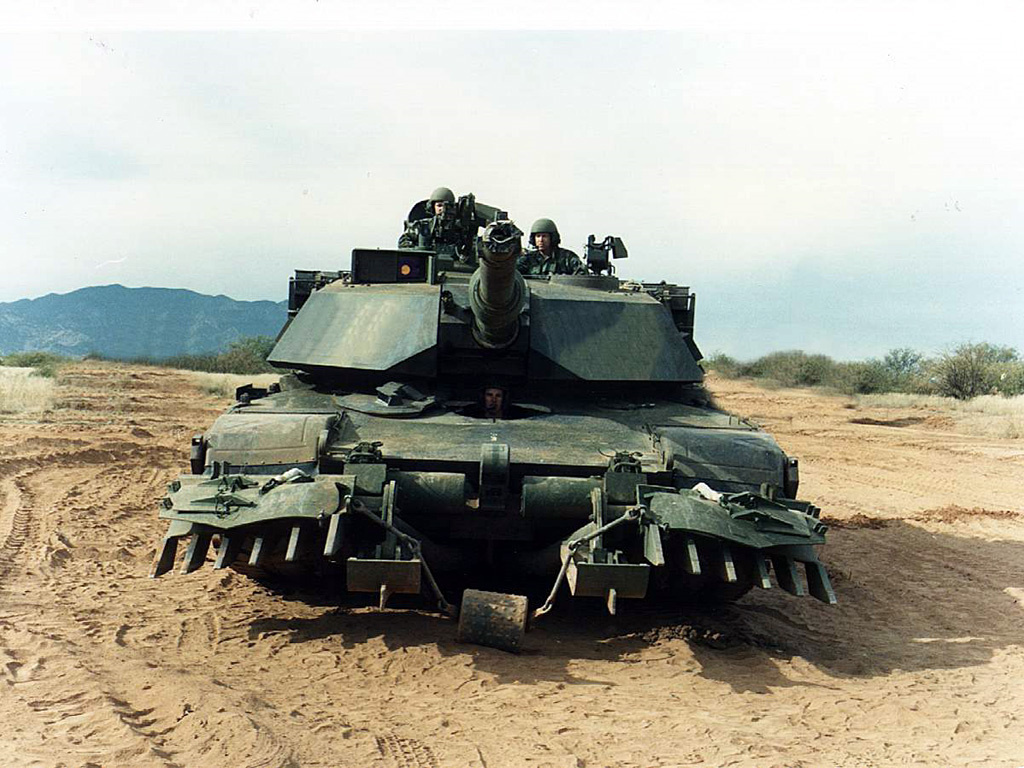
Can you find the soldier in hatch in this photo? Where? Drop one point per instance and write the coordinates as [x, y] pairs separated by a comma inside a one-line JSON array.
[[544, 256], [419, 231], [438, 229], [494, 402]]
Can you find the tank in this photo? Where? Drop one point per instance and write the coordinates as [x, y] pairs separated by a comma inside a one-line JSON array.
[[448, 427]]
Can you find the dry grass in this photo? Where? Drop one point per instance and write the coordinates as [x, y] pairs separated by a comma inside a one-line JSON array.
[[225, 384], [21, 392], [987, 415]]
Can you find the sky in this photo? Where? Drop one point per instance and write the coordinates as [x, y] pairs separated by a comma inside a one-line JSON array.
[[834, 177]]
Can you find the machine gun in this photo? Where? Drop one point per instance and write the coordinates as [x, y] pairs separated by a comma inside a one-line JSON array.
[[455, 232], [599, 253]]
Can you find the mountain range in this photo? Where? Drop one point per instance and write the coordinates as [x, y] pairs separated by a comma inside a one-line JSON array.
[[121, 322]]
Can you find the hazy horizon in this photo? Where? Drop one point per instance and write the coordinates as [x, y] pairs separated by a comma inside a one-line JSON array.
[[842, 181]]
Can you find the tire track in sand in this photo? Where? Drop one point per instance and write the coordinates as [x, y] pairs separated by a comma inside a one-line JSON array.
[[16, 521], [407, 753]]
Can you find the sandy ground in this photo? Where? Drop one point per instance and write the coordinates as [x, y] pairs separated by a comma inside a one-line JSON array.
[[921, 663]]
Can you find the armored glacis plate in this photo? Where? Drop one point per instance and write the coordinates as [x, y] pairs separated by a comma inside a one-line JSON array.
[[493, 619]]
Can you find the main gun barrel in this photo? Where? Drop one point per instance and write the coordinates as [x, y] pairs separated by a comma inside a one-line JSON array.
[[496, 289]]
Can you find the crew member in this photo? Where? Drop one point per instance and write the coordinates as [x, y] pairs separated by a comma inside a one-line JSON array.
[[433, 229], [494, 402], [544, 256]]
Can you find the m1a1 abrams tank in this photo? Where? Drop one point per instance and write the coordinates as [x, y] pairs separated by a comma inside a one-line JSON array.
[[445, 417]]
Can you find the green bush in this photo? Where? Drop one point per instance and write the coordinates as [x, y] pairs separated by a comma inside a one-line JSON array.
[[722, 364], [908, 370], [975, 369], [246, 355], [967, 371], [1009, 378], [792, 369], [863, 378], [903, 362]]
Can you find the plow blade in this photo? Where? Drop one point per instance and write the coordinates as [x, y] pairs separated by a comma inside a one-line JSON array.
[[736, 536]]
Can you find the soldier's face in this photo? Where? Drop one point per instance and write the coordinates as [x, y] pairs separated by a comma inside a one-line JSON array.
[[440, 207], [543, 242], [494, 402]]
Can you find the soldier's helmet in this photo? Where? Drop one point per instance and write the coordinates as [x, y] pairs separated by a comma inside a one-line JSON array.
[[441, 195], [545, 226]]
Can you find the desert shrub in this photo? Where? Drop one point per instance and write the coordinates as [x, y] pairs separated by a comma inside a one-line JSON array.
[[206, 362], [908, 370], [248, 355], [245, 356], [792, 369], [722, 364], [22, 391], [903, 361], [815, 370], [973, 369], [44, 364], [965, 372], [862, 378], [1009, 378]]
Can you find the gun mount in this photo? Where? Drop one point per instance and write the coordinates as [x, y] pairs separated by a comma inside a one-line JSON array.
[[496, 289]]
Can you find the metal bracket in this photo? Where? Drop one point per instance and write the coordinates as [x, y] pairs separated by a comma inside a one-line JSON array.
[[494, 471], [633, 514], [414, 547]]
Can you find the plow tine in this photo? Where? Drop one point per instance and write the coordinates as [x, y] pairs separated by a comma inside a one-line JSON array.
[[164, 561], [653, 549], [788, 578], [228, 551], [692, 563], [259, 551], [333, 543], [819, 584], [293, 544], [195, 555], [728, 573], [761, 572]]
